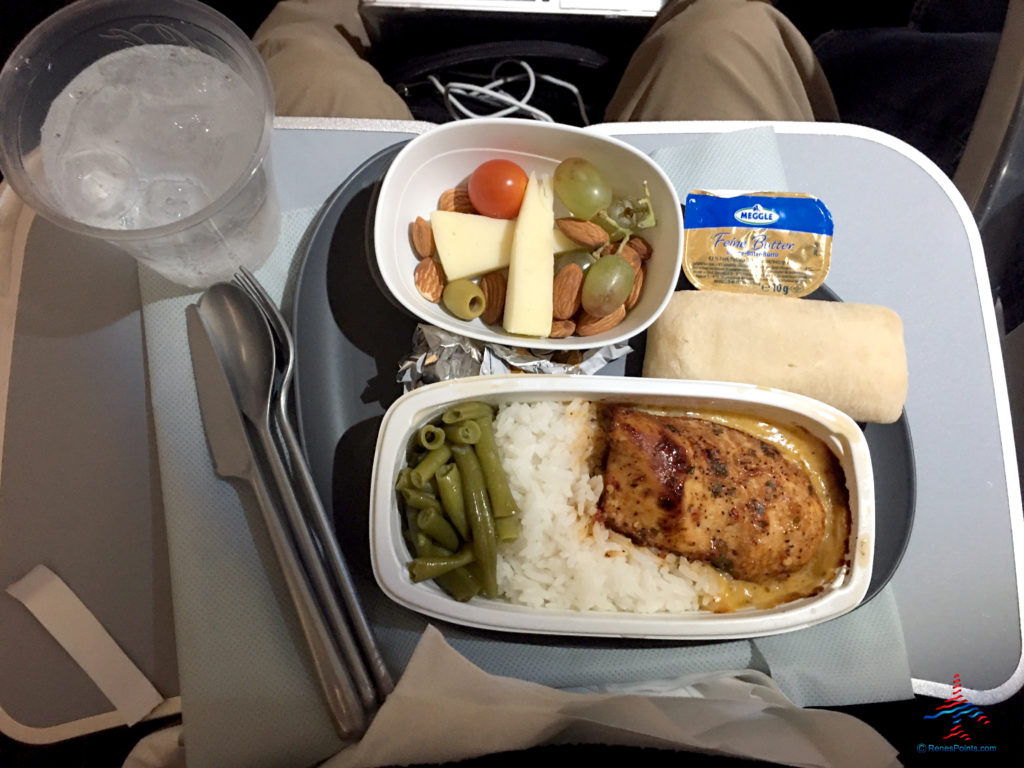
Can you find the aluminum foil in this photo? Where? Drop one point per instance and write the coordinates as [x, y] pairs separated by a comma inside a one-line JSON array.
[[440, 355]]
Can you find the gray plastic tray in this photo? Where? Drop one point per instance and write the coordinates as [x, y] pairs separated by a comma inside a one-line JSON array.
[[350, 337]]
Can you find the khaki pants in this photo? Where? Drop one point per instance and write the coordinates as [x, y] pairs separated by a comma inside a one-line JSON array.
[[701, 60]]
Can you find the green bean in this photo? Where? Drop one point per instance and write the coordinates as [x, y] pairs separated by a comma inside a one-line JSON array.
[[403, 481], [430, 437], [437, 527], [420, 500], [463, 433], [409, 536], [453, 500], [478, 512], [459, 583], [411, 530], [410, 522], [463, 411], [426, 568], [424, 471], [476, 572], [414, 481], [502, 502], [506, 528], [424, 546]]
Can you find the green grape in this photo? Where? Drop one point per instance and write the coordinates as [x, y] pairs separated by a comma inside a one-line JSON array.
[[581, 257], [631, 214], [623, 212], [581, 187], [607, 284]]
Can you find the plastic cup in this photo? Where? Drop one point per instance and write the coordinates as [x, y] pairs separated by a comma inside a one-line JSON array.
[[175, 173]]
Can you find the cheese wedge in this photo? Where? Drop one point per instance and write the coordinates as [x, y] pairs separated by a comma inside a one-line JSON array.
[[528, 300], [563, 243], [469, 244]]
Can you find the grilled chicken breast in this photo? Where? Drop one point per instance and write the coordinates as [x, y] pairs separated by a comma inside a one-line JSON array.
[[708, 492]]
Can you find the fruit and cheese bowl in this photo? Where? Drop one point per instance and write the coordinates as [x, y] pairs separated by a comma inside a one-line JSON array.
[[528, 234]]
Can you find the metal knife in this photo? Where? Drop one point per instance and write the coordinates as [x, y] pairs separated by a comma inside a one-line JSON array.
[[233, 458]]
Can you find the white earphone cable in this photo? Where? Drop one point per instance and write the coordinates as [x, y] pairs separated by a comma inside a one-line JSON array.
[[492, 94]]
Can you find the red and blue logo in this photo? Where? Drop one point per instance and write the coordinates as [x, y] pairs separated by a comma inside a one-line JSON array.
[[959, 710]]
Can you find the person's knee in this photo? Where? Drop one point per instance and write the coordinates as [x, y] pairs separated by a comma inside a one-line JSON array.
[[722, 26], [721, 60], [313, 80], [312, 40]]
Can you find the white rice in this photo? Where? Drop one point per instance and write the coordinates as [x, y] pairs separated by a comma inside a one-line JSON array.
[[563, 558]]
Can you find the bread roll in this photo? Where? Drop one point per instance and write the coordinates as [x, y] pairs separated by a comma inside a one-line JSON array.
[[848, 355]]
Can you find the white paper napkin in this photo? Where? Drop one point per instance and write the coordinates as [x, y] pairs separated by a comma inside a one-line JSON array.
[[741, 713], [249, 696], [746, 159]]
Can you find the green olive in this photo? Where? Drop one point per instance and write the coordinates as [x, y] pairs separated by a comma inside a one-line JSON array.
[[464, 299]]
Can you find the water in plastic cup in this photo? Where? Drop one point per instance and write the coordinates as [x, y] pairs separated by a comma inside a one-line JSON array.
[[146, 124]]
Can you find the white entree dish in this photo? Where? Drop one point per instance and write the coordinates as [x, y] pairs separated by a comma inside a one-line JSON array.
[[444, 157], [390, 554]]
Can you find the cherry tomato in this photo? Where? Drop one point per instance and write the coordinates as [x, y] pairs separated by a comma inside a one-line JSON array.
[[496, 189]]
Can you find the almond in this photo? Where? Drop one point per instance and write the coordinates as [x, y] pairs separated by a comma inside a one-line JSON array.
[[588, 325], [493, 285], [586, 233], [422, 238], [638, 286], [561, 329], [625, 250], [631, 251], [457, 200], [429, 279], [643, 249], [566, 291]]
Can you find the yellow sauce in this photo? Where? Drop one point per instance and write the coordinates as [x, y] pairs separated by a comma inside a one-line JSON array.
[[821, 465]]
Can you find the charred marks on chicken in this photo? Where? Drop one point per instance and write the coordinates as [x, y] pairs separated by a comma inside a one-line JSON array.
[[757, 510], [715, 461], [720, 557], [671, 466], [671, 461], [645, 536], [721, 489]]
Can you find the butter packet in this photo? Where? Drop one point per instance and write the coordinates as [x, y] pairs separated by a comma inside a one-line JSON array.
[[765, 242]]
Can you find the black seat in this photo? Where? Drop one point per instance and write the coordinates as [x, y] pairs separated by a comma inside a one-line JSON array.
[[990, 174]]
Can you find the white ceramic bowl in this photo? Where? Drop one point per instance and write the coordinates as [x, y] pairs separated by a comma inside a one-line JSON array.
[[390, 555], [445, 156]]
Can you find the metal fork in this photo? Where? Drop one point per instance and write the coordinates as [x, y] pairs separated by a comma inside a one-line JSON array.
[[317, 514]]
